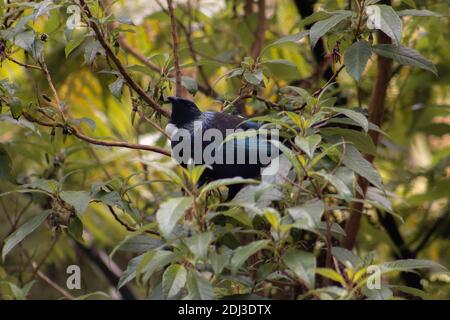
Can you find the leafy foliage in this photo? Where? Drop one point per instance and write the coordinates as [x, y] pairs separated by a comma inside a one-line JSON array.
[[83, 153]]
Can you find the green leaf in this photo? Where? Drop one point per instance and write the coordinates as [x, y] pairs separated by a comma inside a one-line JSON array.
[[260, 195], [273, 217], [410, 265], [142, 69], [331, 274], [242, 253], [5, 164], [405, 56], [218, 262], [16, 108], [362, 141], [116, 87], [153, 261], [308, 144], [383, 293], [125, 20], [199, 288], [190, 84], [49, 186], [300, 91], [418, 13], [140, 243], [19, 293], [290, 38], [130, 272], [73, 44], [303, 264], [356, 58], [308, 214], [254, 78], [173, 280], [340, 186], [75, 228], [88, 121], [25, 40], [199, 244], [346, 257], [410, 3], [358, 117], [316, 16], [355, 161], [413, 291], [170, 212], [239, 215], [319, 29], [91, 49], [384, 18], [28, 227], [78, 199], [281, 61], [225, 182], [97, 294]]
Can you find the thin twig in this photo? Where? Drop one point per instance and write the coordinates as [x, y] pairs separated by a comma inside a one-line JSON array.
[[46, 255], [52, 284], [239, 98], [25, 65], [74, 131], [52, 87], [320, 90], [176, 61], [110, 53], [376, 116], [431, 231], [125, 225]]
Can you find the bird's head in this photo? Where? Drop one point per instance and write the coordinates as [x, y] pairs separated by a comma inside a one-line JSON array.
[[183, 111]]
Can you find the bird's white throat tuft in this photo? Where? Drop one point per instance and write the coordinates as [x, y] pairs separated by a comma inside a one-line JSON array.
[[171, 129]]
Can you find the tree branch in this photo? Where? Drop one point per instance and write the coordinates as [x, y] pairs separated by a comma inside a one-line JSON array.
[[109, 52], [126, 226], [376, 114], [260, 31], [74, 131], [432, 231], [176, 62]]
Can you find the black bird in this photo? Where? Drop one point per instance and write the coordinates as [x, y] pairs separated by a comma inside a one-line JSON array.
[[187, 123]]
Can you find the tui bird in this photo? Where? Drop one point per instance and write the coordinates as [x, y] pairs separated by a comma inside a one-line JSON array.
[[240, 157]]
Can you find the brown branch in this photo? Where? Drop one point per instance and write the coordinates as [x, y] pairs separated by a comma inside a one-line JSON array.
[[176, 62], [258, 44], [44, 277], [206, 88], [376, 114], [110, 53], [240, 98], [126, 226], [52, 284], [25, 65], [52, 87], [432, 230], [129, 48], [74, 131], [46, 255], [125, 45]]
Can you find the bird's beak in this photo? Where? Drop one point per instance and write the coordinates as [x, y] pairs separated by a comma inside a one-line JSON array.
[[172, 99]]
